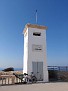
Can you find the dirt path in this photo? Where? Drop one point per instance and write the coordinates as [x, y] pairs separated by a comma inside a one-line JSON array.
[[59, 86]]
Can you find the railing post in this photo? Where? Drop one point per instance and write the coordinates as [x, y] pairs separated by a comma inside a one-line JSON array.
[[2, 80], [16, 80], [13, 79], [59, 68], [8, 80], [5, 80], [66, 68]]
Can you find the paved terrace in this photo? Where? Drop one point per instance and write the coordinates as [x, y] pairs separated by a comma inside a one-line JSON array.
[[57, 86]]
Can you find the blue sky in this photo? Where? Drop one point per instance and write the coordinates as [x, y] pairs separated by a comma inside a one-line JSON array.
[[15, 14]]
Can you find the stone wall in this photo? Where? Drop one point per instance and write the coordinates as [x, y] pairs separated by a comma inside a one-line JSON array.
[[55, 75], [62, 75]]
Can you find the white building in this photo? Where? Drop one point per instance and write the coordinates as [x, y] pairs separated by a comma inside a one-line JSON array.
[[35, 51]]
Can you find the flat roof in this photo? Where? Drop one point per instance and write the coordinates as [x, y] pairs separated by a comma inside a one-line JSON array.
[[34, 26]]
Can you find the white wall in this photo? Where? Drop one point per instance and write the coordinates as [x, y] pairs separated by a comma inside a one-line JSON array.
[[25, 52], [30, 56], [37, 56]]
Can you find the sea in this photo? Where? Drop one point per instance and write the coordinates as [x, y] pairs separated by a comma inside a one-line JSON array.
[[64, 68], [15, 69]]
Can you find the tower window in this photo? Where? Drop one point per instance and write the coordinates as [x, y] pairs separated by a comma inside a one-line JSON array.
[[37, 48], [36, 34]]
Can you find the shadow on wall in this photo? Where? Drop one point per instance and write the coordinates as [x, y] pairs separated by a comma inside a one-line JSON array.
[[53, 75]]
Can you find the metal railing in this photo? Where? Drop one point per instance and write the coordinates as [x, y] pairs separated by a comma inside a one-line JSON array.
[[58, 68]]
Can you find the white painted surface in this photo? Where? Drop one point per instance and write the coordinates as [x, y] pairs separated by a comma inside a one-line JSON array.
[[30, 55], [25, 52]]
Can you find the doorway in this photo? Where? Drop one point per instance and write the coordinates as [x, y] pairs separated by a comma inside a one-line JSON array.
[[37, 68]]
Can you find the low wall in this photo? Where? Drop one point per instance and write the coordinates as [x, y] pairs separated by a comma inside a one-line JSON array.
[[55, 75], [62, 75]]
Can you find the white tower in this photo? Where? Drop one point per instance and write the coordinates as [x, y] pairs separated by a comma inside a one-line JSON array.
[[35, 51]]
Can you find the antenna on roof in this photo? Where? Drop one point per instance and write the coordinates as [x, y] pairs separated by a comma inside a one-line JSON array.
[[36, 16]]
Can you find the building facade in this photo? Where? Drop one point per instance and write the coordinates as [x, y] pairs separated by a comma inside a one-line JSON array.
[[35, 51]]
